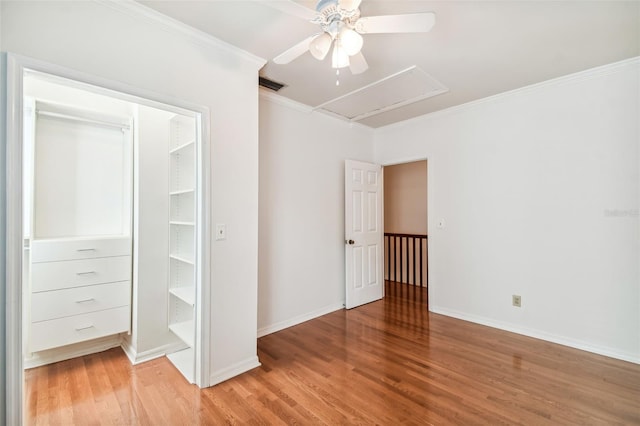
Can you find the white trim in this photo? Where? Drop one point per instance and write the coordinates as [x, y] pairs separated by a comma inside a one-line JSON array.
[[129, 350], [537, 334], [270, 96], [14, 364], [3, 241], [139, 11], [203, 266], [16, 66], [72, 351], [102, 86], [263, 331], [234, 370], [140, 357], [566, 79]]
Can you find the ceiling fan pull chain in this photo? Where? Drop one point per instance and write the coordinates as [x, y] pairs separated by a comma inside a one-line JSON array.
[[338, 77]]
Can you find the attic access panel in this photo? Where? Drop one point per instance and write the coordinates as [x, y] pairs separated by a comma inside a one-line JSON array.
[[405, 87]]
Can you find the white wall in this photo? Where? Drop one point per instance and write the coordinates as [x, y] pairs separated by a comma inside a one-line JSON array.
[[405, 198], [302, 211], [103, 40], [539, 189]]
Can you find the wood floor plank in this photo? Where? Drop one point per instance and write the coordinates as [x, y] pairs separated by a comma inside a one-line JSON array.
[[389, 362]]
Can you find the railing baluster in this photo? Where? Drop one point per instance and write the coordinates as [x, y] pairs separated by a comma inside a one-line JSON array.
[[421, 282], [395, 262], [406, 248], [415, 257], [401, 262], [426, 255], [388, 274]]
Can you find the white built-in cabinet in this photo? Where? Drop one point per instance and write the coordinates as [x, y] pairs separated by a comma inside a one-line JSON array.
[[182, 241], [79, 237], [80, 290], [111, 248]]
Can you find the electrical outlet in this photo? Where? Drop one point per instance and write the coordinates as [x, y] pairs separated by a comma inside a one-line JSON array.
[[516, 301]]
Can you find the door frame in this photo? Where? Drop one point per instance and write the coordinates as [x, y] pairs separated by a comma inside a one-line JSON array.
[[16, 66], [429, 203]]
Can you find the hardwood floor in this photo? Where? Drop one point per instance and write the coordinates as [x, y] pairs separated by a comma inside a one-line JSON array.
[[390, 362]]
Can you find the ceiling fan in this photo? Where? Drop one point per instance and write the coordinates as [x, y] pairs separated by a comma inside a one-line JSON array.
[[343, 27]]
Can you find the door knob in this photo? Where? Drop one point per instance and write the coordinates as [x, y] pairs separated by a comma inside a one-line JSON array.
[[350, 242]]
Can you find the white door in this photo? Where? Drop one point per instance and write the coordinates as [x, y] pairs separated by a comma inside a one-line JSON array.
[[363, 233]]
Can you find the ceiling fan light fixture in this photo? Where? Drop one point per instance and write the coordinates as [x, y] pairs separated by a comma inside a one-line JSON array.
[[339, 57], [351, 41], [319, 46]]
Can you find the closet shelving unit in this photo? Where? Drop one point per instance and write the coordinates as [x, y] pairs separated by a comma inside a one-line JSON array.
[[182, 247]]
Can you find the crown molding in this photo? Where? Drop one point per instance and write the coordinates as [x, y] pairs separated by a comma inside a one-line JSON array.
[[273, 97], [533, 88], [139, 11]]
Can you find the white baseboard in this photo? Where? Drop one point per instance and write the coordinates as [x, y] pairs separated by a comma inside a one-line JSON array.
[[139, 357], [64, 353], [233, 370], [129, 350], [263, 331], [553, 338]]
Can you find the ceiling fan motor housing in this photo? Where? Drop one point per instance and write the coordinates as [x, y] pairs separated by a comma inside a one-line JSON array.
[[332, 17]]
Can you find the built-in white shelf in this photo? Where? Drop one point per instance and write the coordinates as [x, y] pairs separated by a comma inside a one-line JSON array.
[[182, 147], [184, 361], [186, 294], [182, 240], [182, 259], [184, 330], [182, 191]]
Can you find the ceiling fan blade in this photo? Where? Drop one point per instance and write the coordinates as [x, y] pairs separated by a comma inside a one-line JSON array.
[[410, 23], [291, 8], [357, 63], [293, 52]]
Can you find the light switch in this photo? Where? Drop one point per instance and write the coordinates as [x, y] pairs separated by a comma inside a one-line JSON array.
[[221, 231]]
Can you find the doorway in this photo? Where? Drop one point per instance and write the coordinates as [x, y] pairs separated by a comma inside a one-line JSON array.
[[74, 103], [406, 226]]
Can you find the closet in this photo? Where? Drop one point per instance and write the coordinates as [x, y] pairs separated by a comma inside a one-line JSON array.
[[81, 241], [110, 227]]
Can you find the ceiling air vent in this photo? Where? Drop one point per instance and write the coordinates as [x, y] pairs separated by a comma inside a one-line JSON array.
[[403, 88], [270, 84]]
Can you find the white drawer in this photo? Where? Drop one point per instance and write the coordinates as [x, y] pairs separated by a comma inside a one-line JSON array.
[[76, 273], [49, 305], [78, 328], [78, 248]]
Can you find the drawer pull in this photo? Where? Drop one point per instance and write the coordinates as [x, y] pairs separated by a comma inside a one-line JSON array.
[[84, 328], [86, 273], [86, 249], [85, 300]]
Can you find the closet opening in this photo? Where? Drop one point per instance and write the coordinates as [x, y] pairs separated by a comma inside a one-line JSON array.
[[106, 245]]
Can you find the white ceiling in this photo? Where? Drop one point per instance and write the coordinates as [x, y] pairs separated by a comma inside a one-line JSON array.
[[476, 48]]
